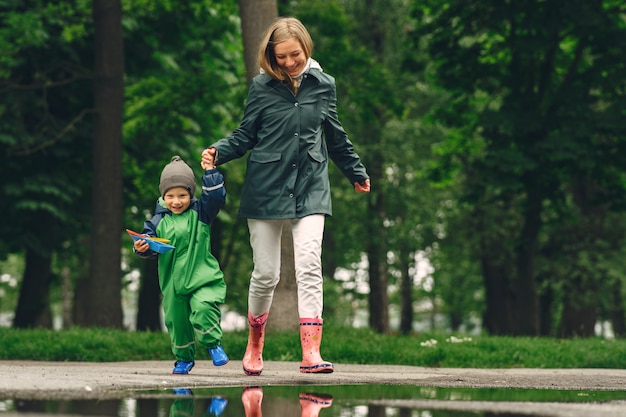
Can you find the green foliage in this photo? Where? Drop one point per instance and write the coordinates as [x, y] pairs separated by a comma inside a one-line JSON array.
[[11, 269], [460, 112], [43, 107], [340, 344], [532, 95]]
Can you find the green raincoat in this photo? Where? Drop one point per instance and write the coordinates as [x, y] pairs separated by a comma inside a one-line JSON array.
[[290, 138]]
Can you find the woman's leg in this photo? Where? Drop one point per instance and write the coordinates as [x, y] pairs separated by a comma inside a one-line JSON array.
[[308, 233], [307, 240], [265, 236], [265, 242]]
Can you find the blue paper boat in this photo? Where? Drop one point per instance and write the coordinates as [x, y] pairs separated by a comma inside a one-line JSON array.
[[155, 245]]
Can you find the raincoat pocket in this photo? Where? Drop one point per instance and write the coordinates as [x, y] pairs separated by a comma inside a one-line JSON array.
[[264, 157]]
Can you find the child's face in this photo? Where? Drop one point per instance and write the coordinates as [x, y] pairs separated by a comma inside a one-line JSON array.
[[177, 199]]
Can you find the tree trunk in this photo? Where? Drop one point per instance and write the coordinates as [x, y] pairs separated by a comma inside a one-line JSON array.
[[526, 306], [105, 307], [546, 302], [149, 303], [498, 314], [67, 292], [33, 307], [80, 308], [578, 320], [406, 292], [616, 310], [284, 315], [80, 301], [377, 256], [256, 16], [581, 302], [372, 28]]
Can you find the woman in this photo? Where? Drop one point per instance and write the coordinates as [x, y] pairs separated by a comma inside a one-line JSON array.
[[291, 128]]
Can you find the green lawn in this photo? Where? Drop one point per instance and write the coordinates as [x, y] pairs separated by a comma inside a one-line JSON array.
[[341, 345]]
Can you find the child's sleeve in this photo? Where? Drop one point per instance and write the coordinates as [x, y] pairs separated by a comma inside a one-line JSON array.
[[149, 229], [213, 195]]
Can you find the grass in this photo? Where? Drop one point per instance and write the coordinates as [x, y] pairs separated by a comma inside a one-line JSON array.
[[340, 345]]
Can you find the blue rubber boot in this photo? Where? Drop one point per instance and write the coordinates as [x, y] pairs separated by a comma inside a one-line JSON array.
[[217, 406], [218, 355], [182, 367], [182, 391]]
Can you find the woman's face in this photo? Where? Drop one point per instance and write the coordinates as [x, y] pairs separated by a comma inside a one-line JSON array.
[[290, 56]]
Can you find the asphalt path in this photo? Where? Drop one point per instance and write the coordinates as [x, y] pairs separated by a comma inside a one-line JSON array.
[[88, 380]]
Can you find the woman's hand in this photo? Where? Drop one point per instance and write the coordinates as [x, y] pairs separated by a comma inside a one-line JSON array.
[[362, 187], [208, 158]]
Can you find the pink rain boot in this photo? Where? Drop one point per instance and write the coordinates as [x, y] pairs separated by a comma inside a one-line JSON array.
[[252, 397], [312, 403], [253, 358], [311, 338]]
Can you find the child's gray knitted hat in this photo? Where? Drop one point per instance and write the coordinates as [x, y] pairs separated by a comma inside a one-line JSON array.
[[177, 174]]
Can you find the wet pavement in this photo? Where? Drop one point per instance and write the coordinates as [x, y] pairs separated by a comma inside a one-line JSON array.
[[32, 380]]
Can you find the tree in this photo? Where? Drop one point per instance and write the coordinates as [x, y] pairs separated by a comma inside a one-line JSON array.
[[534, 100], [105, 307], [44, 107], [256, 17]]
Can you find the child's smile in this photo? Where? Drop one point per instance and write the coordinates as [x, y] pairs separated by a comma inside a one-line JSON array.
[[177, 199]]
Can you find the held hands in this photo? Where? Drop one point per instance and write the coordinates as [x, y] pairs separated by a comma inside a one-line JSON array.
[[208, 159], [363, 187]]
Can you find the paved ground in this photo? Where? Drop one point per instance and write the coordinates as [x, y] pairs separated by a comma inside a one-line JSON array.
[[81, 380]]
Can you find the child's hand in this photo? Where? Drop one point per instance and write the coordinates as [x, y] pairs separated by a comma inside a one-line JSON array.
[[208, 159], [141, 245]]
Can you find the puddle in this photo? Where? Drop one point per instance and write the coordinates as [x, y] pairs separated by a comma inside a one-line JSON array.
[[332, 401]]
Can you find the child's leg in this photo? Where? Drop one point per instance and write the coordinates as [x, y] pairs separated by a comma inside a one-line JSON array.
[[206, 314], [176, 314], [205, 318]]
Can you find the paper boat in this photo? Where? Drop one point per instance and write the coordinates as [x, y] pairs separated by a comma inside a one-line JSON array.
[[157, 244]]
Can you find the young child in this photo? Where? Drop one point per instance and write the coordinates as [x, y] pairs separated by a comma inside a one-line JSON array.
[[190, 277]]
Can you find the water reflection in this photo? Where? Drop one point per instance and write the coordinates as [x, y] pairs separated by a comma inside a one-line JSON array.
[[310, 403], [185, 406], [252, 400], [318, 401]]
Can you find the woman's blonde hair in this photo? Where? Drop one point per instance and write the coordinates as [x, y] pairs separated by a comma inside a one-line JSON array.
[[281, 30]]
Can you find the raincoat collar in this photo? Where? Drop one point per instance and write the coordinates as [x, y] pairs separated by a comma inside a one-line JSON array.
[[311, 65]]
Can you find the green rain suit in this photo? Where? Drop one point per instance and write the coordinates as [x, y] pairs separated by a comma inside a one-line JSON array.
[[190, 277]]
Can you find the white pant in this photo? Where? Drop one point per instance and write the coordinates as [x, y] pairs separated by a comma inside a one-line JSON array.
[[265, 238]]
